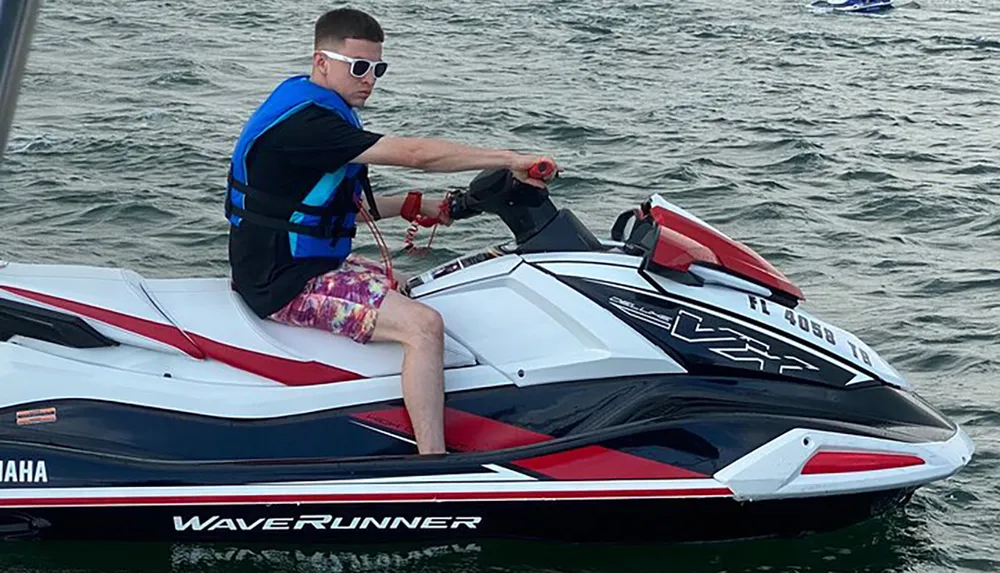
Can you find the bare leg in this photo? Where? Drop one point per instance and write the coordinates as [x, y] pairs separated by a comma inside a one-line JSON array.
[[420, 330]]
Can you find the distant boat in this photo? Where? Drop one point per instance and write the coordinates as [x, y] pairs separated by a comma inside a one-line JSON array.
[[855, 6]]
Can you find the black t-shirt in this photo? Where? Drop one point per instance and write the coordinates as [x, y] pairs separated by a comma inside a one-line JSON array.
[[288, 160]]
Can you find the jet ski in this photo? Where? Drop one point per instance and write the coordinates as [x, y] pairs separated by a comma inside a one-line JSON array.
[[665, 384], [854, 6]]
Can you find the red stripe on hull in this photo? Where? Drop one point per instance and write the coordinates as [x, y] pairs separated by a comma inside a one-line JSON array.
[[466, 432], [284, 370], [596, 462], [288, 372], [463, 432], [165, 333]]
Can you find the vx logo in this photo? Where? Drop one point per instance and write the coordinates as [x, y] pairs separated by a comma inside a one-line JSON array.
[[735, 346]]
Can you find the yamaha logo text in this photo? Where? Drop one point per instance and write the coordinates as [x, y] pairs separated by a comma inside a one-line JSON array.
[[23, 471]]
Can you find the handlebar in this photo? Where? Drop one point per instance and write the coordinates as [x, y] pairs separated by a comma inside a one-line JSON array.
[[542, 170]]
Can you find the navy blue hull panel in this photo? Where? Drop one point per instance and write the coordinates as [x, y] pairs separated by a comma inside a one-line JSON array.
[[696, 424]]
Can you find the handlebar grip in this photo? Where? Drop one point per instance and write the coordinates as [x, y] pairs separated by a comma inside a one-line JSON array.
[[542, 170]]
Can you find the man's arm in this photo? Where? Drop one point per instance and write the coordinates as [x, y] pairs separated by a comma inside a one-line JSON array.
[[392, 206], [441, 156], [389, 206], [438, 155]]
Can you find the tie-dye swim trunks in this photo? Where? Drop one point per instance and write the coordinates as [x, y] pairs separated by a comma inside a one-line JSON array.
[[344, 301]]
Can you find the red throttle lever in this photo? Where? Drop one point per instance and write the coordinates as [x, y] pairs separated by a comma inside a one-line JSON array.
[[542, 170]]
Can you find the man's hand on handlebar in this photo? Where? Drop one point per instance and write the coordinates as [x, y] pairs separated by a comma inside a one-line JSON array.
[[534, 170]]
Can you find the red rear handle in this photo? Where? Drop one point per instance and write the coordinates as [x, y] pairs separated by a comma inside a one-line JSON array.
[[542, 170]]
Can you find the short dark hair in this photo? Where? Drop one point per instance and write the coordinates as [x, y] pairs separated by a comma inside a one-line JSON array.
[[337, 25]]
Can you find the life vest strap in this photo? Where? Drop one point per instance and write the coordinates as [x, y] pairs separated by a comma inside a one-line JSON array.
[[366, 186], [322, 232], [274, 202], [331, 216]]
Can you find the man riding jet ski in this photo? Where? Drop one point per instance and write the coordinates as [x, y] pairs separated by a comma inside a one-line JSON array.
[[298, 177], [663, 385]]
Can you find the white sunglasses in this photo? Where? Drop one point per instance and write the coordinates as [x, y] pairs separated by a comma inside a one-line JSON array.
[[359, 67]]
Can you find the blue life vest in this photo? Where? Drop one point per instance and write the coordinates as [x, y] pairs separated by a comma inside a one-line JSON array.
[[322, 224]]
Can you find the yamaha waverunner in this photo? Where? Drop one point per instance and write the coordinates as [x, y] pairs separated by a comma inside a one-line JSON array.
[[854, 6], [665, 384]]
